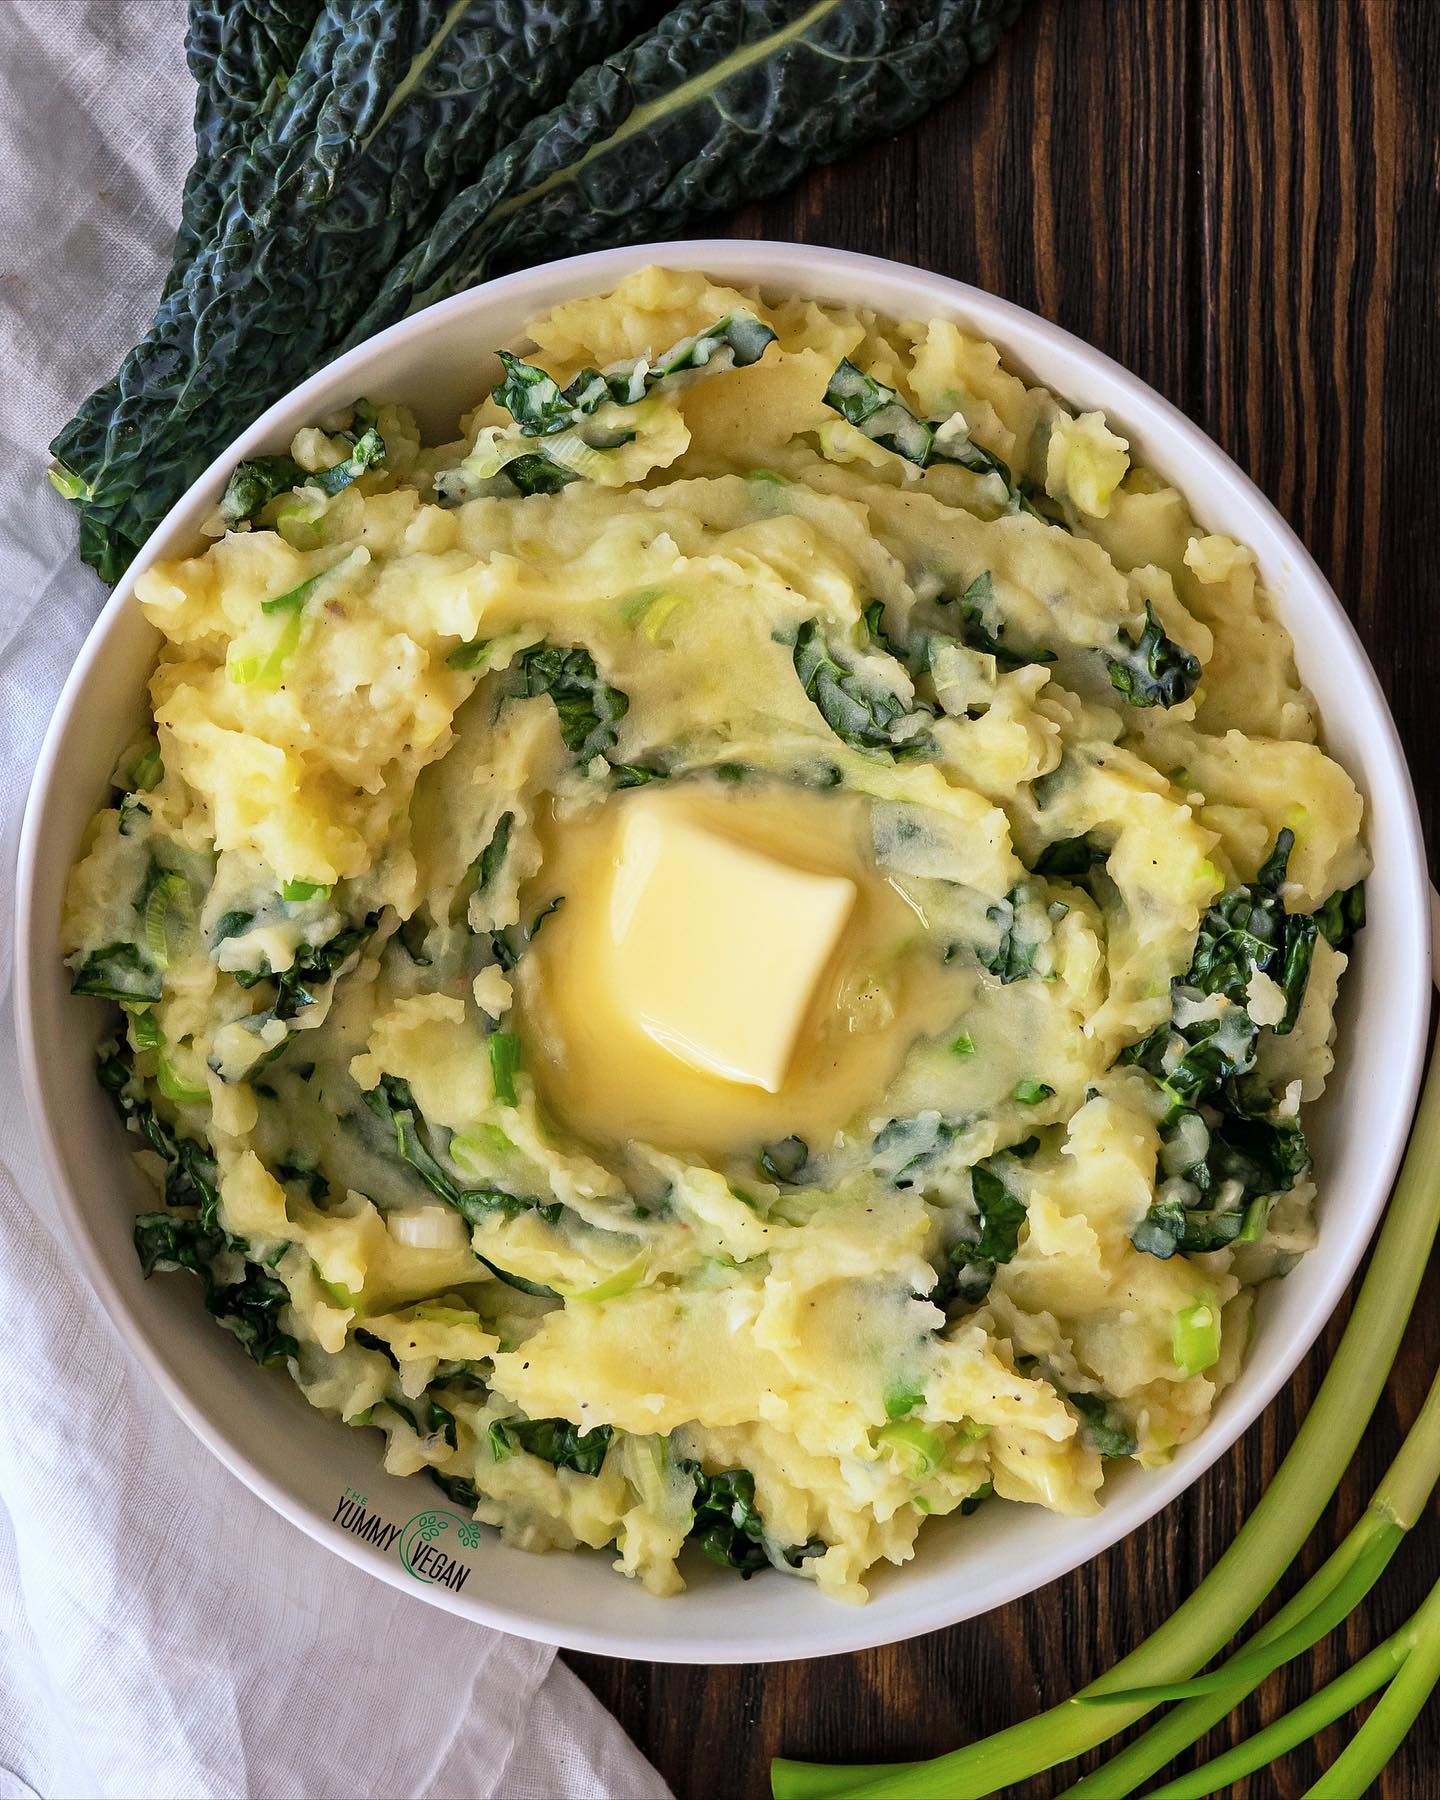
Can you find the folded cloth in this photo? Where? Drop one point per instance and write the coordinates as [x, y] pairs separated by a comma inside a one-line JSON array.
[[162, 1632]]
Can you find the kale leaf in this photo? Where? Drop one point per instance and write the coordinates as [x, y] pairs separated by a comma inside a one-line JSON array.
[[1226, 1152], [456, 1488], [728, 1527], [121, 972], [1248, 930], [724, 102], [554, 1441], [867, 717], [541, 408], [971, 1263], [191, 1175], [588, 707], [392, 1102], [879, 412], [1222, 1192], [242, 54], [249, 1308], [257, 481], [1152, 670], [978, 633], [1071, 859], [1103, 1426], [1024, 923], [1342, 915], [387, 115], [785, 1162]]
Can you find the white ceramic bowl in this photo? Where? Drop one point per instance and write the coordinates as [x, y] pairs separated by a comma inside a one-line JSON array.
[[303, 1464]]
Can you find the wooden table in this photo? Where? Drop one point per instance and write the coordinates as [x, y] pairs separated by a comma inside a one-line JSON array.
[[1238, 200]]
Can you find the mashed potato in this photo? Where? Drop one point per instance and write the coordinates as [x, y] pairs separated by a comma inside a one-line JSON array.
[[848, 596]]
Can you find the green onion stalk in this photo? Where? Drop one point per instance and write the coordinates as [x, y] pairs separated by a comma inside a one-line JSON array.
[[1164, 1667]]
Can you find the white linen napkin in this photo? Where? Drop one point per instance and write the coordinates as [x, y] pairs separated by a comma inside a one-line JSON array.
[[162, 1632]]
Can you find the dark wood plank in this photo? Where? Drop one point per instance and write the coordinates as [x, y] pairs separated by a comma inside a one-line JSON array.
[[1238, 200]]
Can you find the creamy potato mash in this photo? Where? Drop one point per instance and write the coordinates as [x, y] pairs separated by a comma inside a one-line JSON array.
[[737, 956]]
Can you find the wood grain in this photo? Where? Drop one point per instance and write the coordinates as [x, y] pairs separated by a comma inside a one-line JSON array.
[[1240, 200]]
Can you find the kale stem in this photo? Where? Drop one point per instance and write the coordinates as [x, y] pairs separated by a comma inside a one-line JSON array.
[[1263, 1549]]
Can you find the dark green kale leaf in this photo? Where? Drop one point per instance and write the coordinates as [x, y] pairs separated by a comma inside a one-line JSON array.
[[1222, 1176], [728, 1527], [315, 965], [1103, 1426], [389, 113], [392, 1102], [541, 408], [785, 1162], [1152, 670], [1248, 930], [257, 481], [724, 102], [191, 1176], [1193, 1064], [860, 713], [427, 1418], [487, 864], [879, 412], [242, 54], [978, 632], [588, 707], [1023, 922], [120, 972], [248, 1308], [1225, 1150], [456, 1488], [1342, 915], [904, 1147], [972, 1261], [554, 1441], [1071, 859]]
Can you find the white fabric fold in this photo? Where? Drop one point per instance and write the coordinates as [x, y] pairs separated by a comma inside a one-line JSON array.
[[162, 1632]]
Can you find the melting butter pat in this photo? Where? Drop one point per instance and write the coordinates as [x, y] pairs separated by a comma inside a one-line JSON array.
[[717, 949]]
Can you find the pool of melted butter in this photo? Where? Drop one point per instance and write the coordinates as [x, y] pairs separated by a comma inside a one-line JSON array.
[[605, 1079]]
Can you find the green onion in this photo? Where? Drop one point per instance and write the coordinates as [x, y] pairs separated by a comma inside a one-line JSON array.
[[304, 890], [170, 896], [174, 1086], [292, 600], [265, 671], [621, 1282], [920, 1447], [1264, 1547], [1031, 1093], [902, 1401], [468, 656], [148, 770], [504, 1061], [1195, 1337], [300, 520], [145, 1030], [964, 1045]]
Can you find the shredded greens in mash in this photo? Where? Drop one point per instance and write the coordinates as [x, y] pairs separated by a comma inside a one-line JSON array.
[[847, 599]]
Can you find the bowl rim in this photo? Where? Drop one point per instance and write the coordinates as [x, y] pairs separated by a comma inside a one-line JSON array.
[[796, 268]]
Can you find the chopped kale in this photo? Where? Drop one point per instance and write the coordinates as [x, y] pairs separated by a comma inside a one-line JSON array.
[[588, 708], [860, 712], [554, 1441], [248, 1308], [1152, 670]]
